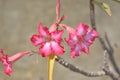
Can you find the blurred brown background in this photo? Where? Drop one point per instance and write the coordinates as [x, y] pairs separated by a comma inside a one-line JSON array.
[[19, 20]]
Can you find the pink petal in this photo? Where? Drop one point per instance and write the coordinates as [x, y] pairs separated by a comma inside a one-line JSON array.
[[81, 29], [85, 47], [45, 49], [4, 61], [57, 35], [95, 34], [37, 39], [8, 69], [43, 30], [75, 51], [72, 40], [91, 35], [56, 48]]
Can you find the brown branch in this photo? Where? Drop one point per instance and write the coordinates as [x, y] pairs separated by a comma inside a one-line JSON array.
[[108, 69], [111, 50], [75, 68], [92, 14], [105, 71], [104, 46], [109, 44], [78, 70]]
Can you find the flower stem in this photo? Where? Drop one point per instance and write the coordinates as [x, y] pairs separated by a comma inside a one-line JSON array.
[[51, 61]]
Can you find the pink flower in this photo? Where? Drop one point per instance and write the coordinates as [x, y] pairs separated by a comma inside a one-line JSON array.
[[8, 61], [5, 62], [49, 41], [80, 39]]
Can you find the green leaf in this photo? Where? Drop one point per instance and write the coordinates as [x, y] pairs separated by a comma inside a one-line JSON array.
[[117, 1], [104, 6]]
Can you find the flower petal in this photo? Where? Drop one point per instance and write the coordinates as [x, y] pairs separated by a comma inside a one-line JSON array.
[[37, 39], [85, 47], [75, 51], [45, 49], [4, 61], [72, 40], [56, 48], [8, 69], [43, 31], [91, 35], [57, 35], [81, 29]]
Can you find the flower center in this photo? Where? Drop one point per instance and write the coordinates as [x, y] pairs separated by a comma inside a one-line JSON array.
[[48, 39], [81, 39]]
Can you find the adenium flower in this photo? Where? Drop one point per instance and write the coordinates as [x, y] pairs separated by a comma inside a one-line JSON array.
[[49, 41], [80, 39], [7, 61]]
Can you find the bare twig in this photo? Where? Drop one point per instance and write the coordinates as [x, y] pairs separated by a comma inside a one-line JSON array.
[[109, 44], [92, 14], [75, 68], [104, 46], [111, 50], [108, 69], [78, 70]]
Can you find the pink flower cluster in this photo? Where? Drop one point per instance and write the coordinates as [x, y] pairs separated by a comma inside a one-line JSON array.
[[79, 40], [49, 39]]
